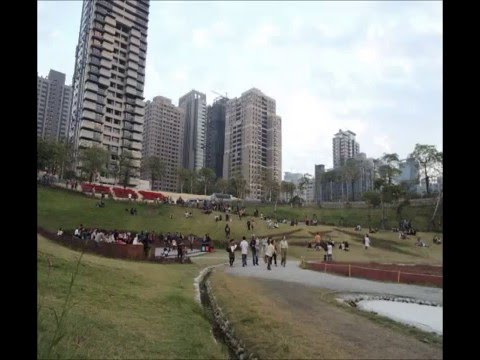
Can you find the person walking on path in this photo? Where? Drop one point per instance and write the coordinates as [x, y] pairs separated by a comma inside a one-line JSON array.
[[283, 251], [231, 252], [253, 246], [275, 251], [244, 247], [269, 253], [366, 242], [227, 231]]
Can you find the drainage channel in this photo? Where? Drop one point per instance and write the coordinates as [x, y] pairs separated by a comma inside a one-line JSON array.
[[220, 326]]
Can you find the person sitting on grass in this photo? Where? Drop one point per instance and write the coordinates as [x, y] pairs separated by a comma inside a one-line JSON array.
[[437, 240], [420, 242], [60, 232]]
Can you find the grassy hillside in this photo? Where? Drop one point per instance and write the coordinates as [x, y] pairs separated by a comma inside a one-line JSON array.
[[119, 309], [66, 209]]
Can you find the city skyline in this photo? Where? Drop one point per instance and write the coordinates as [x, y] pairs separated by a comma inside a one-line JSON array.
[[374, 68]]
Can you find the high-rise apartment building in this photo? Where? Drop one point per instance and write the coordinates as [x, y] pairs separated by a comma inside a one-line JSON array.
[[253, 141], [344, 147], [108, 81], [54, 102], [163, 138], [215, 144], [194, 104]]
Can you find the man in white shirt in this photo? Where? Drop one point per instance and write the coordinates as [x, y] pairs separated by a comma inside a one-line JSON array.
[[283, 251], [244, 248], [269, 253], [329, 251]]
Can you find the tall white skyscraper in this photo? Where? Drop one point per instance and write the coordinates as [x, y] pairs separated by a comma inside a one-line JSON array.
[[253, 141], [54, 102], [108, 81], [344, 147]]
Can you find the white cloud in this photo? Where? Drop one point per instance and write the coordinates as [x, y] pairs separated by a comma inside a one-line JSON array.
[[262, 36], [200, 37], [180, 74], [56, 35], [153, 82]]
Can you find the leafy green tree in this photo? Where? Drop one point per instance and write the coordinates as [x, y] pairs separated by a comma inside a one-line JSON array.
[[351, 174], [54, 157], [155, 168], [192, 177], [390, 168], [206, 177], [372, 198], [125, 167], [429, 158], [221, 185], [182, 174], [288, 188], [304, 182], [238, 186], [93, 161]]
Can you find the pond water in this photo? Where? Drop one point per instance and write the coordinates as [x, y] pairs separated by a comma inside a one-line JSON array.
[[425, 317]]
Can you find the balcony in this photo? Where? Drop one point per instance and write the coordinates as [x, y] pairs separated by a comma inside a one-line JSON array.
[[87, 114], [105, 63], [109, 29], [130, 90], [109, 38], [107, 55], [104, 81], [133, 65], [105, 73], [110, 21], [134, 49]]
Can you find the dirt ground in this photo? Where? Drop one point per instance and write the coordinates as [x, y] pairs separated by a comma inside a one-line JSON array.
[[357, 336]]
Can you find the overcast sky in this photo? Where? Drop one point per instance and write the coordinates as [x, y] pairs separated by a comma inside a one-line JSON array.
[[374, 68]]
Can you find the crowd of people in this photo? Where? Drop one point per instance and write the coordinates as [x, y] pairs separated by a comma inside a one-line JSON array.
[[266, 248]]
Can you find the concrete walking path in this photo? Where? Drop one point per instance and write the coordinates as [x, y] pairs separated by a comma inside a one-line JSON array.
[[293, 273]]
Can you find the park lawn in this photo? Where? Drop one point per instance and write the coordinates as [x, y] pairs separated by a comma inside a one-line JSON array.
[[268, 328], [60, 208], [120, 309], [384, 249]]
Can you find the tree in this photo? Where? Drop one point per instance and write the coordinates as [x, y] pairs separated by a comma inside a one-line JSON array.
[[372, 198], [182, 177], [288, 188], [93, 161], [192, 176], [428, 157], [351, 173], [238, 186], [391, 167], [222, 185], [303, 183], [53, 157], [155, 167], [206, 177], [124, 167]]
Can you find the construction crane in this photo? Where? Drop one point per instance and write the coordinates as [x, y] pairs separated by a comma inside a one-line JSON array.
[[217, 93]]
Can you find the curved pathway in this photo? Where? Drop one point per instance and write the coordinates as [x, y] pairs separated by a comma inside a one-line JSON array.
[[293, 273]]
